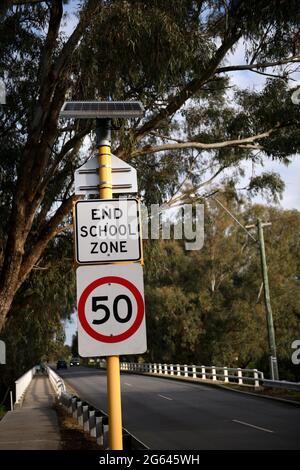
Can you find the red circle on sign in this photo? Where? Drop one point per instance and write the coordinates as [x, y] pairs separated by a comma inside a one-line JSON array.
[[137, 322]]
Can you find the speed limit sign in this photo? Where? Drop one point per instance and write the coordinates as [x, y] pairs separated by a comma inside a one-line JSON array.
[[111, 312]]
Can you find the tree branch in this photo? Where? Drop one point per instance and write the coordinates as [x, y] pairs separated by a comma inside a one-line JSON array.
[[68, 48], [272, 75], [72, 146], [26, 2], [260, 65], [247, 142], [51, 228], [187, 194], [56, 12], [177, 101], [56, 77], [7, 4]]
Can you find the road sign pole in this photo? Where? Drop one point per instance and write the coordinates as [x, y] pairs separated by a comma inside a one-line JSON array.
[[103, 131]]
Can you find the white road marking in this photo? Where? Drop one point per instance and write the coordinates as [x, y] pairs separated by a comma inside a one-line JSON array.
[[129, 385], [166, 398], [251, 425]]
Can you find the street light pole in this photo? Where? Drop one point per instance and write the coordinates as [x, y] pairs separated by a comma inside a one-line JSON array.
[[271, 332], [264, 268]]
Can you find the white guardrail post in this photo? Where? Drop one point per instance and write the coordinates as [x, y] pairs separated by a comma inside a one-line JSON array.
[[240, 376], [225, 374], [256, 381]]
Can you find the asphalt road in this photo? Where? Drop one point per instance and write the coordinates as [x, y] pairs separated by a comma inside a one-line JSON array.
[[168, 414]]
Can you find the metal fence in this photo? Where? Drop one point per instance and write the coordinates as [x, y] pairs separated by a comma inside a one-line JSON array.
[[91, 419], [56, 381], [284, 384], [252, 377]]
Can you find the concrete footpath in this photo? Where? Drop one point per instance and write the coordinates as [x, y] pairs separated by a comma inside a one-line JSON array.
[[33, 426]]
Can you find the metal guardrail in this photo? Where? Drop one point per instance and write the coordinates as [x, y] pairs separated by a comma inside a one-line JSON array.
[[252, 377], [91, 419], [56, 381], [282, 384], [22, 384]]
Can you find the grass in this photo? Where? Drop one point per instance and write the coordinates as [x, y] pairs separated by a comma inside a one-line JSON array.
[[269, 392], [3, 411], [72, 435]]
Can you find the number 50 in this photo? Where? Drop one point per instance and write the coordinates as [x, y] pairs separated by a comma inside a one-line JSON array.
[[97, 305]]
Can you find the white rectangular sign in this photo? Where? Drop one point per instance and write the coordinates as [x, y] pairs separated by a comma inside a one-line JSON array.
[[124, 178], [111, 310], [107, 231]]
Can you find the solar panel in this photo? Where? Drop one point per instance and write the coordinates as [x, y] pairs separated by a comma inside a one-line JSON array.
[[102, 109]]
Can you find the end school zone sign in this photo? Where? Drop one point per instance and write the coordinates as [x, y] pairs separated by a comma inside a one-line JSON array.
[[107, 231]]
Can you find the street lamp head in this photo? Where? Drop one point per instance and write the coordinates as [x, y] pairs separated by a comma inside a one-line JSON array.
[[102, 109]]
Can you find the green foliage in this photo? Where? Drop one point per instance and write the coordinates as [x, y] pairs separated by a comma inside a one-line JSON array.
[[202, 306], [267, 182], [74, 346], [173, 322], [207, 306], [2, 411], [145, 40], [35, 328]]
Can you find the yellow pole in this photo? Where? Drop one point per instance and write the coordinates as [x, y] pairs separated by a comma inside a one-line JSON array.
[[113, 362]]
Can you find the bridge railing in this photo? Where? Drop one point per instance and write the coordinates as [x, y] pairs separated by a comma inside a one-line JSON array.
[[93, 420], [284, 384], [237, 375], [57, 382], [22, 384]]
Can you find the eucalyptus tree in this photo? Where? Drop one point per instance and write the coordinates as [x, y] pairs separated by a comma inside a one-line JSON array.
[[174, 57]]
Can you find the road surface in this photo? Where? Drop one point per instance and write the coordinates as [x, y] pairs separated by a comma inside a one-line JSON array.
[[170, 414]]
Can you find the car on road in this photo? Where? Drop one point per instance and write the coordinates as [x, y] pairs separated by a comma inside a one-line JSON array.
[[74, 361], [61, 364]]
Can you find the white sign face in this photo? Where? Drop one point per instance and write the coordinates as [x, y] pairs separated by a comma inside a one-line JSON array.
[[2, 92], [2, 352], [111, 312], [107, 231], [296, 96], [124, 178]]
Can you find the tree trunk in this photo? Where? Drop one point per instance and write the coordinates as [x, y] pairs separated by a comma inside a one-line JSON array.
[[32, 174], [12, 261]]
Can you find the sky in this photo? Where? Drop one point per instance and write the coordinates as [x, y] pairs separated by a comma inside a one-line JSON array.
[[290, 174]]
